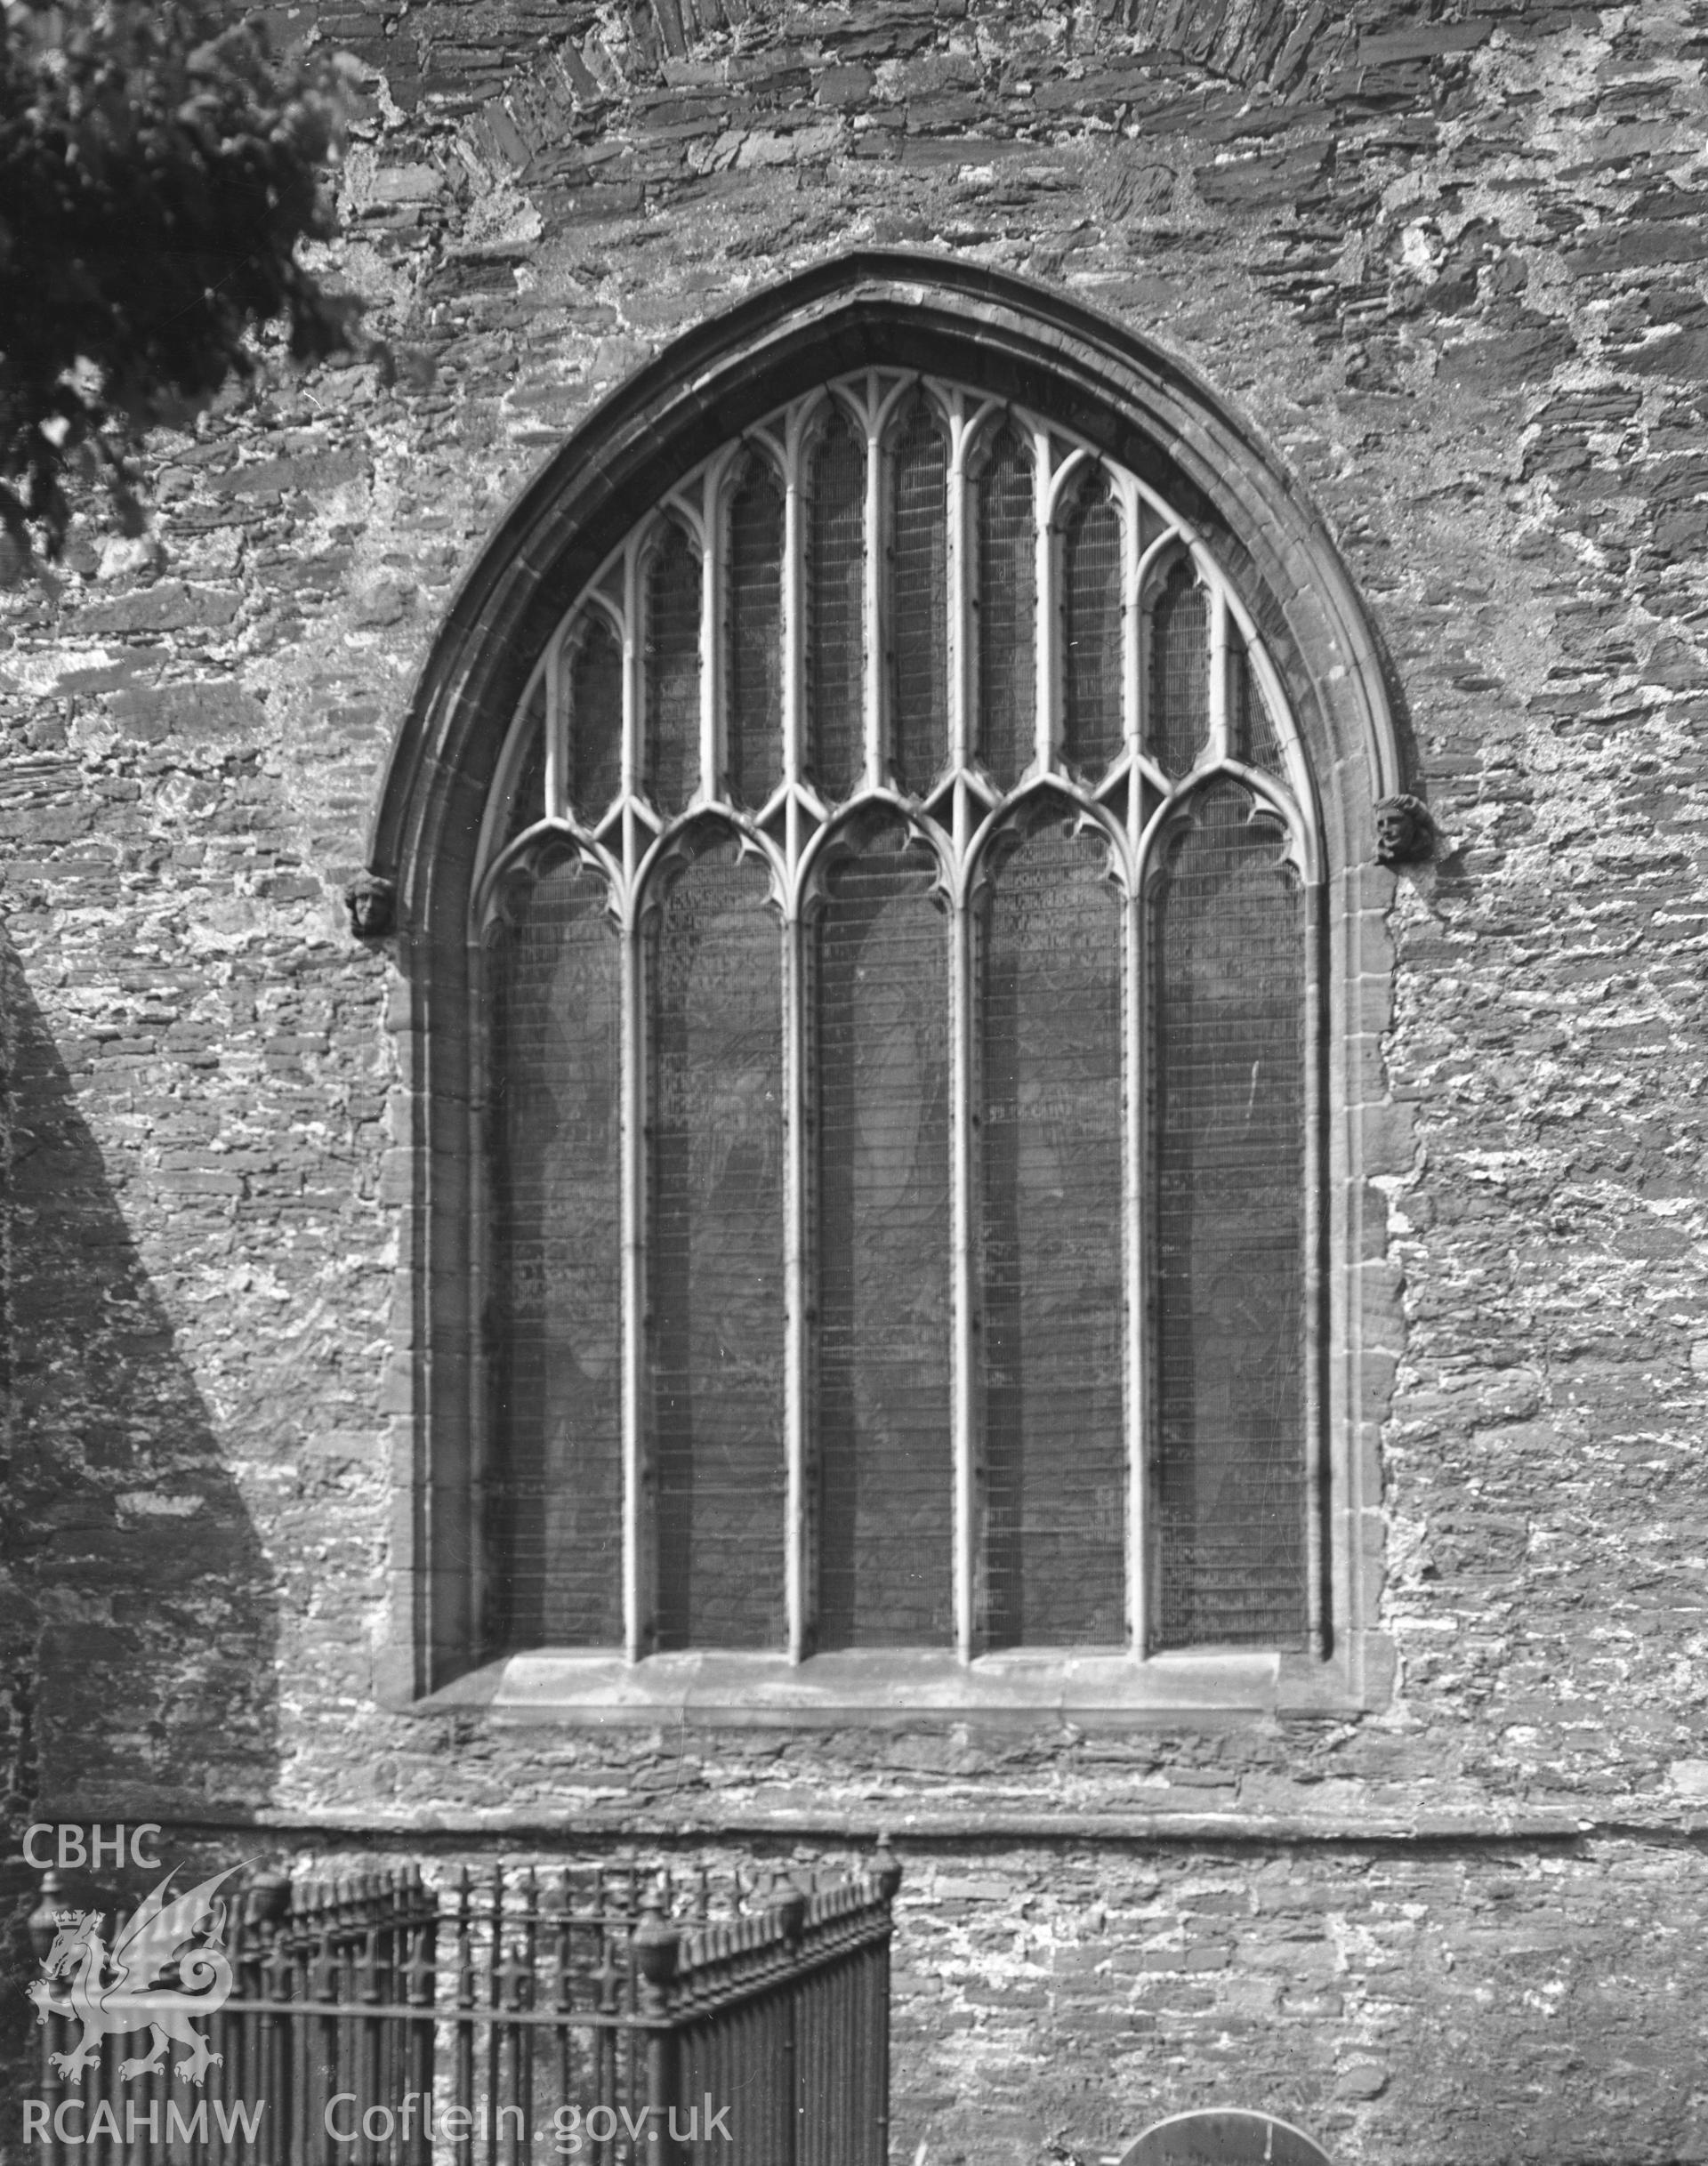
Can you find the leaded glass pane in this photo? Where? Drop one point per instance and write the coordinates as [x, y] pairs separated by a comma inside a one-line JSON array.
[[557, 1501], [1177, 708], [1254, 738], [834, 590], [595, 720], [527, 804], [1007, 609], [715, 1254], [1092, 730], [1227, 1118], [672, 669], [753, 717], [1051, 1245], [919, 604], [880, 1054]]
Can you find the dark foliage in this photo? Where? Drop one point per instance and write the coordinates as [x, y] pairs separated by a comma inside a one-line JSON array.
[[158, 167]]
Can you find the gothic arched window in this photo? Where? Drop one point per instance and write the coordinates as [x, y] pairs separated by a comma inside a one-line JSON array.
[[900, 1005], [893, 960]]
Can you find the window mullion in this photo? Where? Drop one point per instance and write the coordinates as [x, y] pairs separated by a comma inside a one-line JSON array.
[[1137, 1139], [1221, 732], [557, 722], [959, 686], [964, 1379], [1133, 673], [1137, 1304], [794, 563], [963, 1374], [876, 561], [633, 705], [800, 1538], [1314, 1289], [637, 1575], [714, 508], [637, 1550], [1047, 615]]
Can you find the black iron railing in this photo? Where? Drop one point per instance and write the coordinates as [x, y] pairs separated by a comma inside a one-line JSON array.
[[612, 2015]]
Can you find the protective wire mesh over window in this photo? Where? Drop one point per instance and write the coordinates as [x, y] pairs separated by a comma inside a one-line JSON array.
[[557, 1241], [1227, 1135], [880, 1070], [900, 1083]]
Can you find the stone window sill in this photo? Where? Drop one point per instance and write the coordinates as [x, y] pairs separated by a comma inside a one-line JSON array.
[[888, 1688]]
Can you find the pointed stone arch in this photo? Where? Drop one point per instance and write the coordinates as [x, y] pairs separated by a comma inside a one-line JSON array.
[[1126, 398]]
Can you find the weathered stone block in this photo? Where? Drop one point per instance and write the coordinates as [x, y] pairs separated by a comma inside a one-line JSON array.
[[169, 606]]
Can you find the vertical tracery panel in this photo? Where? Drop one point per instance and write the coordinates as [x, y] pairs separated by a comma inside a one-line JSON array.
[[673, 669], [1177, 707], [527, 804], [1006, 605], [1248, 715], [1050, 1246], [918, 601], [834, 583], [715, 1253], [557, 1257], [880, 1055], [1092, 727], [1227, 1126], [595, 675], [754, 687]]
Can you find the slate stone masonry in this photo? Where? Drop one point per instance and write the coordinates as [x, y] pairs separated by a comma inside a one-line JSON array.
[[1445, 261]]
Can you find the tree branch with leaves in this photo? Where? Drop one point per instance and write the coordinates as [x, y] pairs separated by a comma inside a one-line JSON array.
[[159, 168]]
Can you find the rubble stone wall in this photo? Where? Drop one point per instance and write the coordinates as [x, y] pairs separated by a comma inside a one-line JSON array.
[[1445, 261]]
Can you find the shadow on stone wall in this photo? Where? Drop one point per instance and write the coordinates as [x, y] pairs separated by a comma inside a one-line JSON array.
[[137, 1607], [151, 1691]]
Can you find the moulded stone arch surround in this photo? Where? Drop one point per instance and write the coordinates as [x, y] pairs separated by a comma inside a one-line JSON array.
[[1146, 412]]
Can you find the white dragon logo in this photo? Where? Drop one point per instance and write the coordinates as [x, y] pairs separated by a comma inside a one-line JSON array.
[[131, 1986]]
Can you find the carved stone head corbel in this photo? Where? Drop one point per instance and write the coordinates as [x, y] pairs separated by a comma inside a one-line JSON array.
[[1405, 832], [372, 903]]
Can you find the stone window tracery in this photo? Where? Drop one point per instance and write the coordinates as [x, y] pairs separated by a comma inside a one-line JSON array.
[[900, 1182]]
